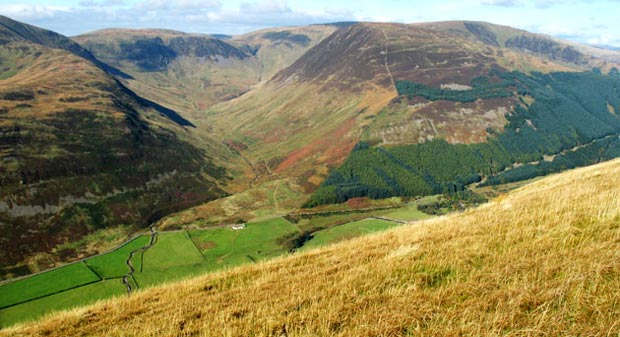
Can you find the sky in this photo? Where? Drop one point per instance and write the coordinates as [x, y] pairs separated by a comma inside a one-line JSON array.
[[587, 21]]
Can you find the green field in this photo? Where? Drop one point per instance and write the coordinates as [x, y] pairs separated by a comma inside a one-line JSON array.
[[155, 277], [347, 231], [112, 264], [68, 299], [224, 247], [54, 281], [408, 213], [173, 256], [170, 250]]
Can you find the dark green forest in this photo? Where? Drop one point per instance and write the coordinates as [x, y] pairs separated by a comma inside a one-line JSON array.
[[570, 121]]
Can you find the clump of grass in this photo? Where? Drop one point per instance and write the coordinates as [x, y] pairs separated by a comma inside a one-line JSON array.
[[543, 260]]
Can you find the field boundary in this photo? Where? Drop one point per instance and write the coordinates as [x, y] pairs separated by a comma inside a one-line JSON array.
[[402, 222], [132, 269], [135, 236], [93, 270], [196, 245], [58, 292]]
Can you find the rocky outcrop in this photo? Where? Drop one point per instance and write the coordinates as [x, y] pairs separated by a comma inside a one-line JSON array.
[[482, 33], [545, 47]]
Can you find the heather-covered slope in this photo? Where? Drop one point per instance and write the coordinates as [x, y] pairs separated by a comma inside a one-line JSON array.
[[79, 152], [498, 269]]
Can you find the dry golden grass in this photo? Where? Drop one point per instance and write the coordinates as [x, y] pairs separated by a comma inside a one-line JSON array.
[[542, 261]]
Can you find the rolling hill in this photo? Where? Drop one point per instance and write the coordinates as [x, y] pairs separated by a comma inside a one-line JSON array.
[[81, 153], [497, 269]]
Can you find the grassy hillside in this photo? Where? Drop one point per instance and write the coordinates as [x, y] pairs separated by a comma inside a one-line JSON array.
[[540, 261]]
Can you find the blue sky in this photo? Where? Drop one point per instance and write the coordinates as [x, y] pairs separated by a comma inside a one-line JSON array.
[[589, 21]]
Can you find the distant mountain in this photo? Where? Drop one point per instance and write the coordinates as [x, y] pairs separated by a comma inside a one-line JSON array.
[[221, 36], [602, 46], [80, 152], [515, 39], [191, 72]]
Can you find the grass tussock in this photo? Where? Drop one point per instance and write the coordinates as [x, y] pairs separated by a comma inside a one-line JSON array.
[[542, 261]]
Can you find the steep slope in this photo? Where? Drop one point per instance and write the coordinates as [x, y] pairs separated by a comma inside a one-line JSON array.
[[11, 30], [186, 72], [80, 153], [278, 48], [498, 269]]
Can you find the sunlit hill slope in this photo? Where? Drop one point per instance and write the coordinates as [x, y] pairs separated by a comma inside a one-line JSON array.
[[542, 260]]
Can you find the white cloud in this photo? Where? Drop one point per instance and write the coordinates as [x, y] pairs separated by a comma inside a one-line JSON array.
[[179, 5], [101, 3], [268, 13], [580, 20], [265, 6], [600, 40], [31, 12], [550, 3], [501, 3], [204, 15]]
